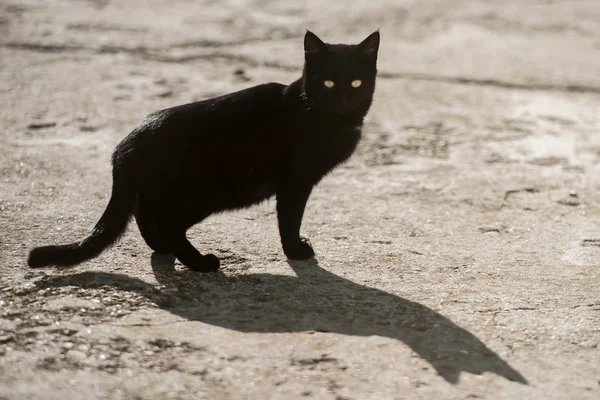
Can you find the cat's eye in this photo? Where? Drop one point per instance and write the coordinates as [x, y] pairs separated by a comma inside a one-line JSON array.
[[329, 84], [356, 83]]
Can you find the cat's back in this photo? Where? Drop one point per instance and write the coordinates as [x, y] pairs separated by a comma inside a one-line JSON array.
[[221, 118], [236, 106]]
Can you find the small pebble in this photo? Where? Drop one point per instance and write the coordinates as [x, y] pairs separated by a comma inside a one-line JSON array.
[[75, 355]]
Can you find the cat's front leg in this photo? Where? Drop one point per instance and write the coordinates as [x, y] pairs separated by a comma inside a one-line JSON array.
[[291, 201]]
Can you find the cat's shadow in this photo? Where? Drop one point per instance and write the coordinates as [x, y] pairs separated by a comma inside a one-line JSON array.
[[314, 300]]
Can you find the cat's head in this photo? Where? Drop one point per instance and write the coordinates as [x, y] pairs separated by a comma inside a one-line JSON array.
[[339, 77]]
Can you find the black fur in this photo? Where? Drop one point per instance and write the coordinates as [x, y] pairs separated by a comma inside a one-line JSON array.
[[185, 163]]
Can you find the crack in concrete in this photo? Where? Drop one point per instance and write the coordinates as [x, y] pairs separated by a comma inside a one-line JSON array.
[[148, 53], [550, 87], [158, 54]]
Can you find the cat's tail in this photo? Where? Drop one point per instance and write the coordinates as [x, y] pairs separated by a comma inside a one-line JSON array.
[[108, 229]]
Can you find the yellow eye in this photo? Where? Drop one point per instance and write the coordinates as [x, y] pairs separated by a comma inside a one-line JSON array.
[[356, 83], [329, 84]]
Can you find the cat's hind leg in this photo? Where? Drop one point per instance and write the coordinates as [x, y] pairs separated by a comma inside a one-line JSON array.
[[185, 252], [146, 221]]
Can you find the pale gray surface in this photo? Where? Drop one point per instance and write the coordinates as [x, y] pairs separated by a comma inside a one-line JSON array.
[[457, 252]]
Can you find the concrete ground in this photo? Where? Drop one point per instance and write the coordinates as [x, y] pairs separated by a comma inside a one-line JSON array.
[[458, 252]]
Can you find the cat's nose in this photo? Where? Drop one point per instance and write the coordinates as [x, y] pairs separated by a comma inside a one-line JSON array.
[[344, 101]]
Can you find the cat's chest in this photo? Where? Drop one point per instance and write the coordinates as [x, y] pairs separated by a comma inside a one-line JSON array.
[[338, 139], [321, 149]]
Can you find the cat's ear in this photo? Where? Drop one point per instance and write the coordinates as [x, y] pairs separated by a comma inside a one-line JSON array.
[[371, 44], [312, 44]]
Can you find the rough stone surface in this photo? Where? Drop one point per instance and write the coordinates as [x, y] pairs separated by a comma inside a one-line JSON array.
[[458, 252]]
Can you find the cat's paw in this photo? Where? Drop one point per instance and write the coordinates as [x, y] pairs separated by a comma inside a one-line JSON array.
[[206, 263], [299, 251]]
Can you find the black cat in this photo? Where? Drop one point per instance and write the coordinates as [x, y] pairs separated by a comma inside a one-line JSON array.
[[185, 163]]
